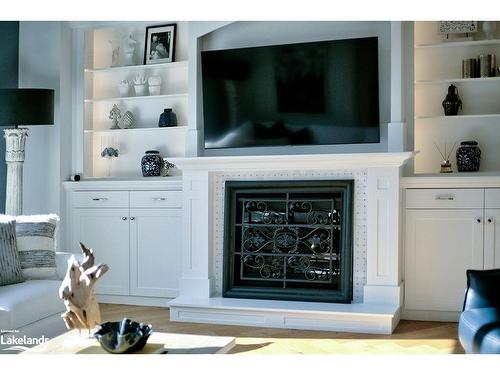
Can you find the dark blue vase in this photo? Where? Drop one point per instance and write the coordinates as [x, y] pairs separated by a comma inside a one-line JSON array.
[[167, 118], [151, 164]]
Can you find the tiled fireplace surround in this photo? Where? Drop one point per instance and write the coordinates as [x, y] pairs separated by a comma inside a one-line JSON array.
[[377, 286]]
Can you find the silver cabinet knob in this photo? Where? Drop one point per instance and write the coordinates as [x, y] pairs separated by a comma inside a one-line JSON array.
[[478, 220], [156, 199], [490, 220], [124, 218], [132, 218]]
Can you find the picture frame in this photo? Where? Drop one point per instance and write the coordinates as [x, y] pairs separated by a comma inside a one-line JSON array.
[[457, 27], [159, 46]]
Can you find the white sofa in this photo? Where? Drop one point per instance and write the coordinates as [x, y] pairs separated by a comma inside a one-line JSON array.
[[33, 308]]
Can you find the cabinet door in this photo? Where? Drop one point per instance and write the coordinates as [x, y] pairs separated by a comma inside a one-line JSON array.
[[492, 238], [106, 231], [440, 245], [155, 252]]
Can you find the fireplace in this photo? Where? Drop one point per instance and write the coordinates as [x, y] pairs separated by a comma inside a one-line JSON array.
[[372, 190], [288, 240]]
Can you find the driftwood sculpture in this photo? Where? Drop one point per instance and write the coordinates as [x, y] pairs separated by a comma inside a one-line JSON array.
[[78, 291]]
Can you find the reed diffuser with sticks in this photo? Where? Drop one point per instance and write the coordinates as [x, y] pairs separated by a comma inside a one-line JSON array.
[[445, 163]]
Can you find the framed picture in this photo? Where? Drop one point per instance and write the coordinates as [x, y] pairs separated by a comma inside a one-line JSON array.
[[160, 44], [457, 27]]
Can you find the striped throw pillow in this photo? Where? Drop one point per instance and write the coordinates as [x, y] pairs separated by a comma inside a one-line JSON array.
[[36, 243], [10, 268]]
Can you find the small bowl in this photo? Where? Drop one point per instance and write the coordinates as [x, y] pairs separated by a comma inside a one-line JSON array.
[[125, 336]]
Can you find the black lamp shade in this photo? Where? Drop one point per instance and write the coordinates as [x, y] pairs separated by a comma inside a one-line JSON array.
[[26, 107]]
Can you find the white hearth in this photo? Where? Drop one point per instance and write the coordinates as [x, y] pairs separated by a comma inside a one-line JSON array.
[[377, 286]]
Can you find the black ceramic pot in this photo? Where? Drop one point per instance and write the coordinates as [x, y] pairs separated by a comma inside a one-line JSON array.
[[167, 118], [451, 102], [468, 157], [151, 164]]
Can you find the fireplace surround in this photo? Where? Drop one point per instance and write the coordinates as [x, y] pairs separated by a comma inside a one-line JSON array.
[[288, 240], [377, 278]]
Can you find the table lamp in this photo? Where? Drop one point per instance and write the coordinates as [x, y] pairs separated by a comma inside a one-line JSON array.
[[21, 107]]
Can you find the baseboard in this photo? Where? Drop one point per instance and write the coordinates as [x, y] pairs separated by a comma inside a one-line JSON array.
[[433, 316], [133, 300]]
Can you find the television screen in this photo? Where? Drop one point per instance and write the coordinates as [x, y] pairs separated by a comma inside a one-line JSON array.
[[316, 93]]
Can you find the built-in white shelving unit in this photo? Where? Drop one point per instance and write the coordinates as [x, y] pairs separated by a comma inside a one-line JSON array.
[[101, 92], [438, 64]]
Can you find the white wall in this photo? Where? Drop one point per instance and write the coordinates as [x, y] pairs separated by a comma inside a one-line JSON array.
[[44, 62]]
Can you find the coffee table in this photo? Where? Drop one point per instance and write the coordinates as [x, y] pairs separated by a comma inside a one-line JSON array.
[[72, 342]]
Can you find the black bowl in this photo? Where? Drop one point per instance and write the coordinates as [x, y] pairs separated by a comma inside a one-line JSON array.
[[123, 337]]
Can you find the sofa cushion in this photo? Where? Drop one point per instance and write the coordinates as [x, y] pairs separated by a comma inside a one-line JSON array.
[[27, 302], [479, 330], [36, 243], [10, 268]]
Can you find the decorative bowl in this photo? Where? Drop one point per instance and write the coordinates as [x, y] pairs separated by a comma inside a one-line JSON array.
[[125, 336]]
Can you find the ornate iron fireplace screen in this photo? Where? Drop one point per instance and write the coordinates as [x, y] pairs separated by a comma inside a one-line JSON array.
[[288, 240]]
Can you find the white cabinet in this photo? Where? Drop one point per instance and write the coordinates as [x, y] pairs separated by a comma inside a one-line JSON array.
[[106, 231], [447, 231], [155, 249], [440, 246], [137, 233]]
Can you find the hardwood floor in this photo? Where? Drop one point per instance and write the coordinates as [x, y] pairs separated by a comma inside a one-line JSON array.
[[409, 337]]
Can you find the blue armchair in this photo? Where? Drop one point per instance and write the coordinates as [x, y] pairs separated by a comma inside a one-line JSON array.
[[479, 325]]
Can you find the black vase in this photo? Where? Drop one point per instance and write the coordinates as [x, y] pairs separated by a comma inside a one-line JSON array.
[[167, 118], [468, 157], [151, 164], [451, 102]]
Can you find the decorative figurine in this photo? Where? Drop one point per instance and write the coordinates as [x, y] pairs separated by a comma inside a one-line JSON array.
[[128, 120], [115, 52], [167, 118], [468, 156], [115, 115], [140, 84], [445, 163], [151, 164], [124, 88], [167, 166], [109, 152], [78, 291], [129, 50], [452, 102]]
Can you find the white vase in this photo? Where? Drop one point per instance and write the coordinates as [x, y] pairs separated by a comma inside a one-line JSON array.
[[140, 90], [489, 28], [124, 90], [154, 90]]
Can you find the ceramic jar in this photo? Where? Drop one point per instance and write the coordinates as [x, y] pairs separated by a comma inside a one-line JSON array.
[[468, 157], [451, 102], [151, 164], [167, 118], [124, 88]]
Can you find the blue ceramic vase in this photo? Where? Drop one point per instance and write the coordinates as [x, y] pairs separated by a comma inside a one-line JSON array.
[[151, 164], [167, 118]]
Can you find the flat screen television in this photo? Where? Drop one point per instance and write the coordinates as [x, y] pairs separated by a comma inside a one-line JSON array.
[[317, 93]]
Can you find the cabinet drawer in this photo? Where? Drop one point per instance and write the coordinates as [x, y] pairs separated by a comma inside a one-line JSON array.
[[444, 198], [492, 198], [157, 198], [100, 199]]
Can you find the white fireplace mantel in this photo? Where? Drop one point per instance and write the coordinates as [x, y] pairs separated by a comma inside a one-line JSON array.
[[293, 162], [377, 284]]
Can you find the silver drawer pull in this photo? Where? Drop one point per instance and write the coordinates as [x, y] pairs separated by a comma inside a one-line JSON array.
[[99, 199], [159, 199], [445, 197]]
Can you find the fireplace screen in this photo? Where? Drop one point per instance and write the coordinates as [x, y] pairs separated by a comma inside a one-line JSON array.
[[288, 240]]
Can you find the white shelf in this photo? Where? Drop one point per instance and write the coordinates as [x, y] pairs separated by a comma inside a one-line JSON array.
[[492, 115], [127, 98], [175, 64], [459, 44], [130, 130], [457, 80]]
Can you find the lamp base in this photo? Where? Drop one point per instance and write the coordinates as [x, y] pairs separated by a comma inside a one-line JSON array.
[[15, 141]]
